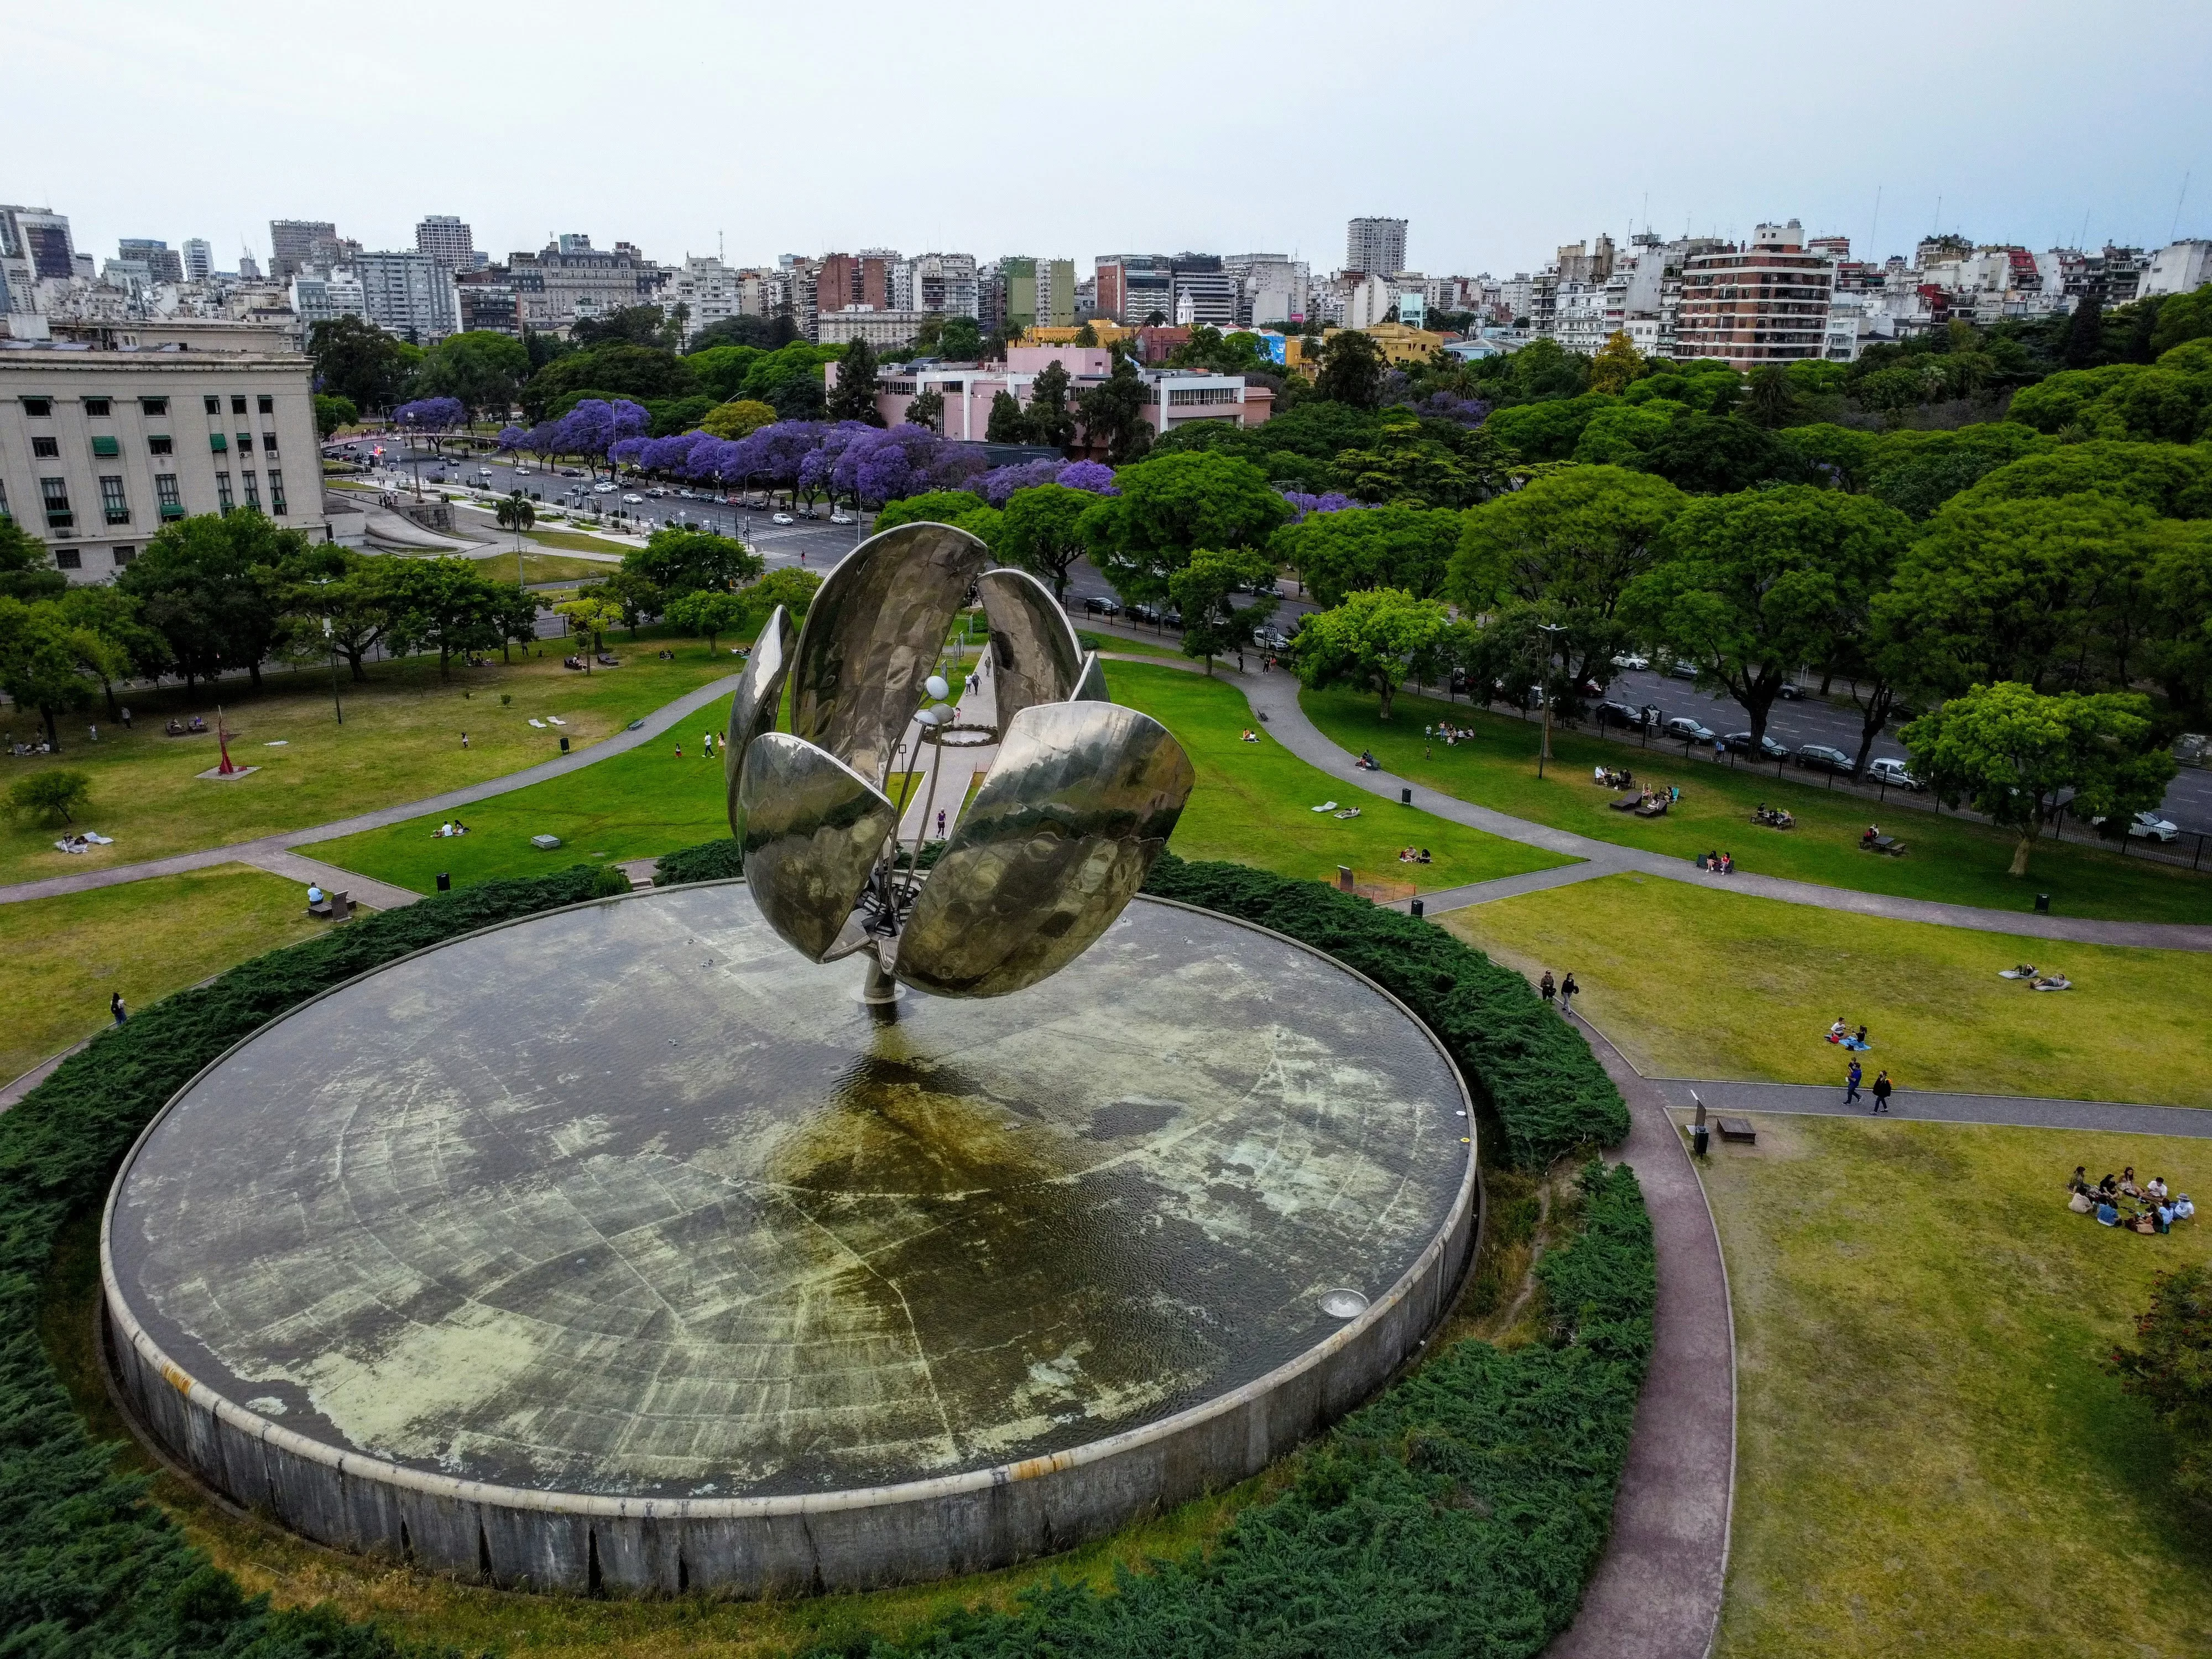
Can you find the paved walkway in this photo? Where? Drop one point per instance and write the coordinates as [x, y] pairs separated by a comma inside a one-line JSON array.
[[275, 852], [1274, 698], [2008, 1111], [1657, 1592]]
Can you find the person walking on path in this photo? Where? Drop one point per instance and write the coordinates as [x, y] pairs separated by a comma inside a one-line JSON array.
[[1882, 1086], [1547, 987], [1851, 1085], [115, 1006], [1568, 991]]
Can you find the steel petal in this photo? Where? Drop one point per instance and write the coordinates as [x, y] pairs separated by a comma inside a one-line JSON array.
[[814, 830], [1034, 656], [753, 709], [1080, 803], [1090, 684], [872, 635]]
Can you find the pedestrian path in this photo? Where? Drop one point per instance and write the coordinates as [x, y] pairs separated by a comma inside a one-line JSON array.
[[2009, 1111], [1274, 699], [259, 852]]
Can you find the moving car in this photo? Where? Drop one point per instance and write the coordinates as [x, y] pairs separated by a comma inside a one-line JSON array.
[[841, 517], [1768, 749], [2147, 826], [656, 492], [1891, 770], [1630, 660], [522, 472], [1099, 605], [1820, 757], [571, 472], [783, 518], [1683, 670], [1689, 729], [633, 499], [603, 488], [1791, 691]]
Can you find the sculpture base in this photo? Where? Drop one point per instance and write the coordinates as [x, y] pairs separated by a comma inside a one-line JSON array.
[[622, 1247]]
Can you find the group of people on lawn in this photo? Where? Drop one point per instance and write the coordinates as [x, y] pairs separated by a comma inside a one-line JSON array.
[[2149, 1208], [1451, 734]]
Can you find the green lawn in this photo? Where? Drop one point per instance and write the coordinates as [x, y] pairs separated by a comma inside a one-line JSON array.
[[1091, 641], [1952, 859], [66, 956], [1930, 1459], [1692, 982], [400, 741], [1252, 800]]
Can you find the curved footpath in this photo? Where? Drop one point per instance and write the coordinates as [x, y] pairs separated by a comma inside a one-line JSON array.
[[274, 854], [1274, 698]]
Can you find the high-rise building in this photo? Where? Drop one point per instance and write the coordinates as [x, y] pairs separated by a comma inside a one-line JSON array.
[[1764, 302], [446, 239], [293, 245], [249, 268], [1376, 247], [574, 241], [1273, 288], [943, 283], [1205, 295], [406, 294], [161, 261], [41, 237], [1132, 286], [321, 299], [199, 260], [556, 285], [1039, 292]]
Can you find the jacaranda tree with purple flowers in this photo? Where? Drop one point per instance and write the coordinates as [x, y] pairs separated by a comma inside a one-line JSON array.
[[997, 485], [1094, 477], [432, 420], [595, 426]]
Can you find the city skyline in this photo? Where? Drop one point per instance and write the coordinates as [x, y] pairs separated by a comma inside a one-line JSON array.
[[1491, 180]]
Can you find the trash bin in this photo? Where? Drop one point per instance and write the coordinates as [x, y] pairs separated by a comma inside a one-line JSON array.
[[2042, 904], [1406, 797], [1700, 1137], [1417, 910], [445, 882], [564, 746]]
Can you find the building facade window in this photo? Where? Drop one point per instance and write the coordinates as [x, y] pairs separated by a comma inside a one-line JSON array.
[[252, 483], [219, 442], [55, 493], [276, 492], [269, 443], [106, 448], [96, 407], [213, 405], [125, 554], [38, 408], [171, 504], [47, 448], [113, 501], [237, 405], [160, 444], [222, 502], [155, 405], [265, 403], [246, 443], [5, 512], [69, 558]]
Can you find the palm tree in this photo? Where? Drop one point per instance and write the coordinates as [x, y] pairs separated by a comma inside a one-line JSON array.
[[516, 514]]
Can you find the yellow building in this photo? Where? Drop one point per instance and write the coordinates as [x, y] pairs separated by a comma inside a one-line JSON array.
[[1402, 345], [1104, 330]]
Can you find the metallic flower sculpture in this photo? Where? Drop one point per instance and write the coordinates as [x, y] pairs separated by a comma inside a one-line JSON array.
[[1080, 801]]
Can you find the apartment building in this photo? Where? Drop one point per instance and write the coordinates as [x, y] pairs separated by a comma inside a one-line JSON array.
[[1764, 302], [880, 329], [1176, 397], [99, 449], [1131, 286], [162, 262], [570, 278], [407, 293], [1272, 288], [296, 244], [942, 282], [324, 299], [449, 243], [1205, 295], [199, 259], [1375, 247]]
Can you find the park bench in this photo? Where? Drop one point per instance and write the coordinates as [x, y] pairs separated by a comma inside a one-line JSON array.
[[1888, 845], [1654, 808], [335, 907], [1737, 1129], [1627, 803]]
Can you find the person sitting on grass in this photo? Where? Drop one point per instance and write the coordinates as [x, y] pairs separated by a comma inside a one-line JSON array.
[[1425, 855], [2182, 1209], [1250, 736], [2110, 1186], [1836, 1031], [2108, 1214], [2080, 1182], [2128, 1182], [2156, 1187]]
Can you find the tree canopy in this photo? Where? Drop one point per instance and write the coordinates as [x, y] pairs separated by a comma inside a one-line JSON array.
[[1374, 641], [1170, 504]]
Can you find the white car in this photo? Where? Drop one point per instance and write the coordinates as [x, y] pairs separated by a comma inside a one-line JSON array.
[[782, 517], [656, 492], [603, 488], [1891, 771], [841, 517], [633, 501], [1629, 660], [2148, 826], [522, 472]]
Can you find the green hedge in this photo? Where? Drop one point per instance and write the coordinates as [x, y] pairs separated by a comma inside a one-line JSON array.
[[1460, 1514], [86, 1568], [1522, 1060]]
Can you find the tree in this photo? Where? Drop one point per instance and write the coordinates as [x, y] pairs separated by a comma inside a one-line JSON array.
[[1374, 641], [674, 561], [1205, 591], [432, 420], [740, 417], [1006, 424], [854, 397], [592, 614], [952, 507], [2085, 334], [358, 361], [639, 599], [1407, 464], [2016, 755], [1086, 336], [1755, 586], [445, 605], [482, 369], [637, 326], [1049, 420], [1718, 455], [115, 642], [608, 371], [1042, 532], [709, 613], [26, 569], [42, 663], [1169, 506], [1575, 538], [1112, 413], [352, 597], [792, 588], [926, 409], [1352, 368], [53, 795], [764, 333], [332, 413], [1772, 400], [1398, 546], [1616, 363], [2170, 1368], [961, 340], [213, 588]]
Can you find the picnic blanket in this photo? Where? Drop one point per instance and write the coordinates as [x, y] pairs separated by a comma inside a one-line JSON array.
[[1325, 806]]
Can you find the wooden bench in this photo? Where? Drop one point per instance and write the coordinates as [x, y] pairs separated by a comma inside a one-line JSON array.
[[335, 907], [1737, 1129], [1888, 845]]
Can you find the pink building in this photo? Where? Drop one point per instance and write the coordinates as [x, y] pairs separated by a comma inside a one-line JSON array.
[[1177, 397]]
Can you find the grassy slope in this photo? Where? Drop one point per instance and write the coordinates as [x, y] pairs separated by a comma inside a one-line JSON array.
[[66, 955], [400, 741], [1931, 1460], [1252, 800], [1950, 860], [1692, 982]]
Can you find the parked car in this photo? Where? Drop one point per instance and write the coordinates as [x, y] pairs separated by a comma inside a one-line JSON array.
[[1099, 605], [1791, 691], [783, 518], [1621, 713], [1768, 749], [1689, 729], [1630, 659], [1683, 670], [1891, 770], [1273, 639], [1171, 617], [2147, 826], [1818, 757], [1143, 613], [571, 472]]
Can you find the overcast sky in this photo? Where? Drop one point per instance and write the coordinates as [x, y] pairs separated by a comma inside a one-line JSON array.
[[1499, 131]]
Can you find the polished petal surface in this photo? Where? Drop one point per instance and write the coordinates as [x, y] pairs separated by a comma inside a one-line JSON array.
[[1082, 800], [1091, 684], [753, 709], [1034, 657], [872, 635], [813, 831]]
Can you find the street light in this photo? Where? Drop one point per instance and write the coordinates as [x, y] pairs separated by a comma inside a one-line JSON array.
[[329, 640], [1544, 753]]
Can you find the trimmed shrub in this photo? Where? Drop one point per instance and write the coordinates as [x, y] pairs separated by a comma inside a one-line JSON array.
[[712, 860]]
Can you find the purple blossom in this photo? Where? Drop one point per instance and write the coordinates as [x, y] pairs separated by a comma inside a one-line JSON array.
[[431, 413], [1448, 406], [594, 426], [884, 465], [1001, 481], [1302, 504], [513, 438], [1095, 476]]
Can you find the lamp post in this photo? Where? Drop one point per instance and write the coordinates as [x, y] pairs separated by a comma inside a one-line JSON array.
[[1544, 753], [330, 640]]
